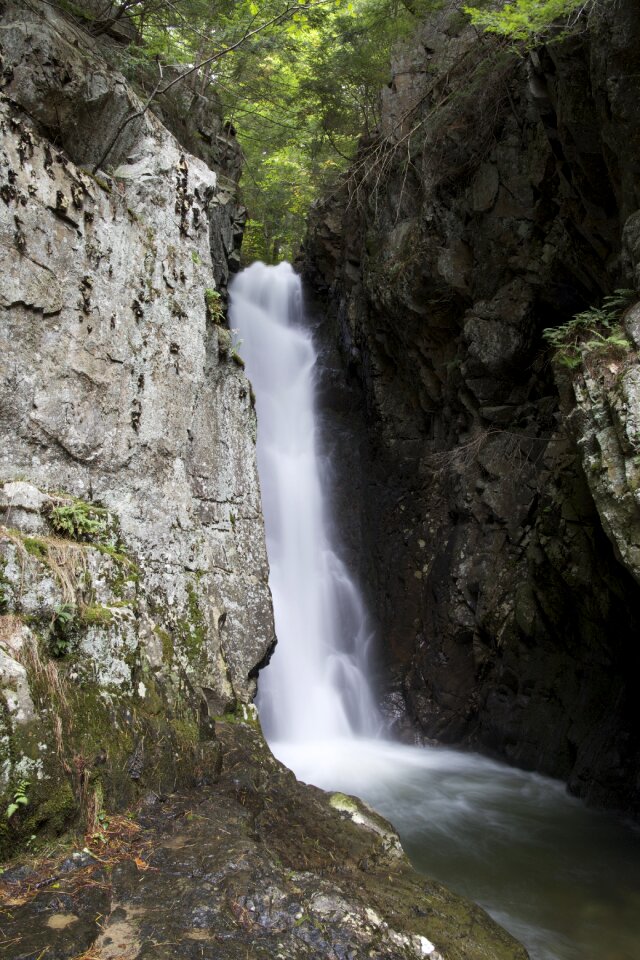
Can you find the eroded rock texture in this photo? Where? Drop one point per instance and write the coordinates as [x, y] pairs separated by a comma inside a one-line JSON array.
[[119, 393], [501, 198]]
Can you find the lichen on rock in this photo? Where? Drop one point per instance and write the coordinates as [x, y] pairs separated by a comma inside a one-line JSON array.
[[261, 865]]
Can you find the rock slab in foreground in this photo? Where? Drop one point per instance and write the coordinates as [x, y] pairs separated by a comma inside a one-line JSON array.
[[257, 866]]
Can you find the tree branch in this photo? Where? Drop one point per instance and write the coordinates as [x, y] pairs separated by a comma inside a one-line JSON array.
[[159, 90]]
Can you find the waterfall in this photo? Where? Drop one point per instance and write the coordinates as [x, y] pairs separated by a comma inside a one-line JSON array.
[[316, 686], [563, 879]]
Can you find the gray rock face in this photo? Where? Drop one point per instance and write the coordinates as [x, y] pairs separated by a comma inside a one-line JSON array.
[[118, 386], [501, 560]]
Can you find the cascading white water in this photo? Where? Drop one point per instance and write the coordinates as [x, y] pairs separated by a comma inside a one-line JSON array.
[[317, 684], [563, 879]]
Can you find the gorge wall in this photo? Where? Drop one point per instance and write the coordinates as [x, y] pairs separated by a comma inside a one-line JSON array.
[[133, 576], [135, 611], [500, 198]]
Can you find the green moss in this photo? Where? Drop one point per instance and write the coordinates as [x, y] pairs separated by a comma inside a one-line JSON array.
[[168, 650], [117, 555], [242, 713], [125, 578], [112, 751], [36, 548], [100, 182], [97, 615], [192, 629], [4, 586], [343, 802], [225, 341], [186, 729], [55, 813], [126, 573]]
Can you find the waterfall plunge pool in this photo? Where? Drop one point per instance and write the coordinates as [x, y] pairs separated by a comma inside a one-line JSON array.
[[563, 879]]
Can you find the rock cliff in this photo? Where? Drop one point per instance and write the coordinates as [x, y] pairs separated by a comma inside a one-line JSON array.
[[133, 576], [500, 198]]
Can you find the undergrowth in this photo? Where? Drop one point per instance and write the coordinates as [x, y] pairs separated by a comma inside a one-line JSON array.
[[79, 520], [596, 330]]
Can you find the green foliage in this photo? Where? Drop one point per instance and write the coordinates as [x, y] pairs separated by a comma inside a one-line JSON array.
[[63, 630], [215, 306], [299, 82], [36, 548], [20, 798], [79, 521], [527, 20], [301, 109], [594, 330], [99, 616]]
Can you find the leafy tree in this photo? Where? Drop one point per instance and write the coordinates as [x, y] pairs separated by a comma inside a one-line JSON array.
[[528, 20], [299, 80]]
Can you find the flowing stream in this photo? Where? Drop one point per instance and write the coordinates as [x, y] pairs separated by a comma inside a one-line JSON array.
[[563, 879]]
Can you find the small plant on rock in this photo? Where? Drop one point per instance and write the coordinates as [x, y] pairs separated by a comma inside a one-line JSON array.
[[597, 329], [20, 798], [62, 630], [78, 520], [215, 306]]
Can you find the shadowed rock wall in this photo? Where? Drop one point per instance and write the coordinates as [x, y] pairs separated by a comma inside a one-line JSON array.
[[500, 198]]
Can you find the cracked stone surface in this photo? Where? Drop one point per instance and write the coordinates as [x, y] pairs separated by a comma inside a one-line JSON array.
[[118, 387]]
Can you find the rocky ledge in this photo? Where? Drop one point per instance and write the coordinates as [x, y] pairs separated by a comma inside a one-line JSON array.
[[256, 865]]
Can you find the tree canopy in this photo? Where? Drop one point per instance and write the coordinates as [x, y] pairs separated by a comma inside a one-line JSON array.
[[300, 82]]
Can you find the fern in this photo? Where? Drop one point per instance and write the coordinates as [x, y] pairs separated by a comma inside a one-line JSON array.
[[594, 330], [20, 798], [527, 20]]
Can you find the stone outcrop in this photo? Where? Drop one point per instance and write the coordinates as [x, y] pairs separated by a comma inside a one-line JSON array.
[[500, 198], [134, 603], [260, 866]]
